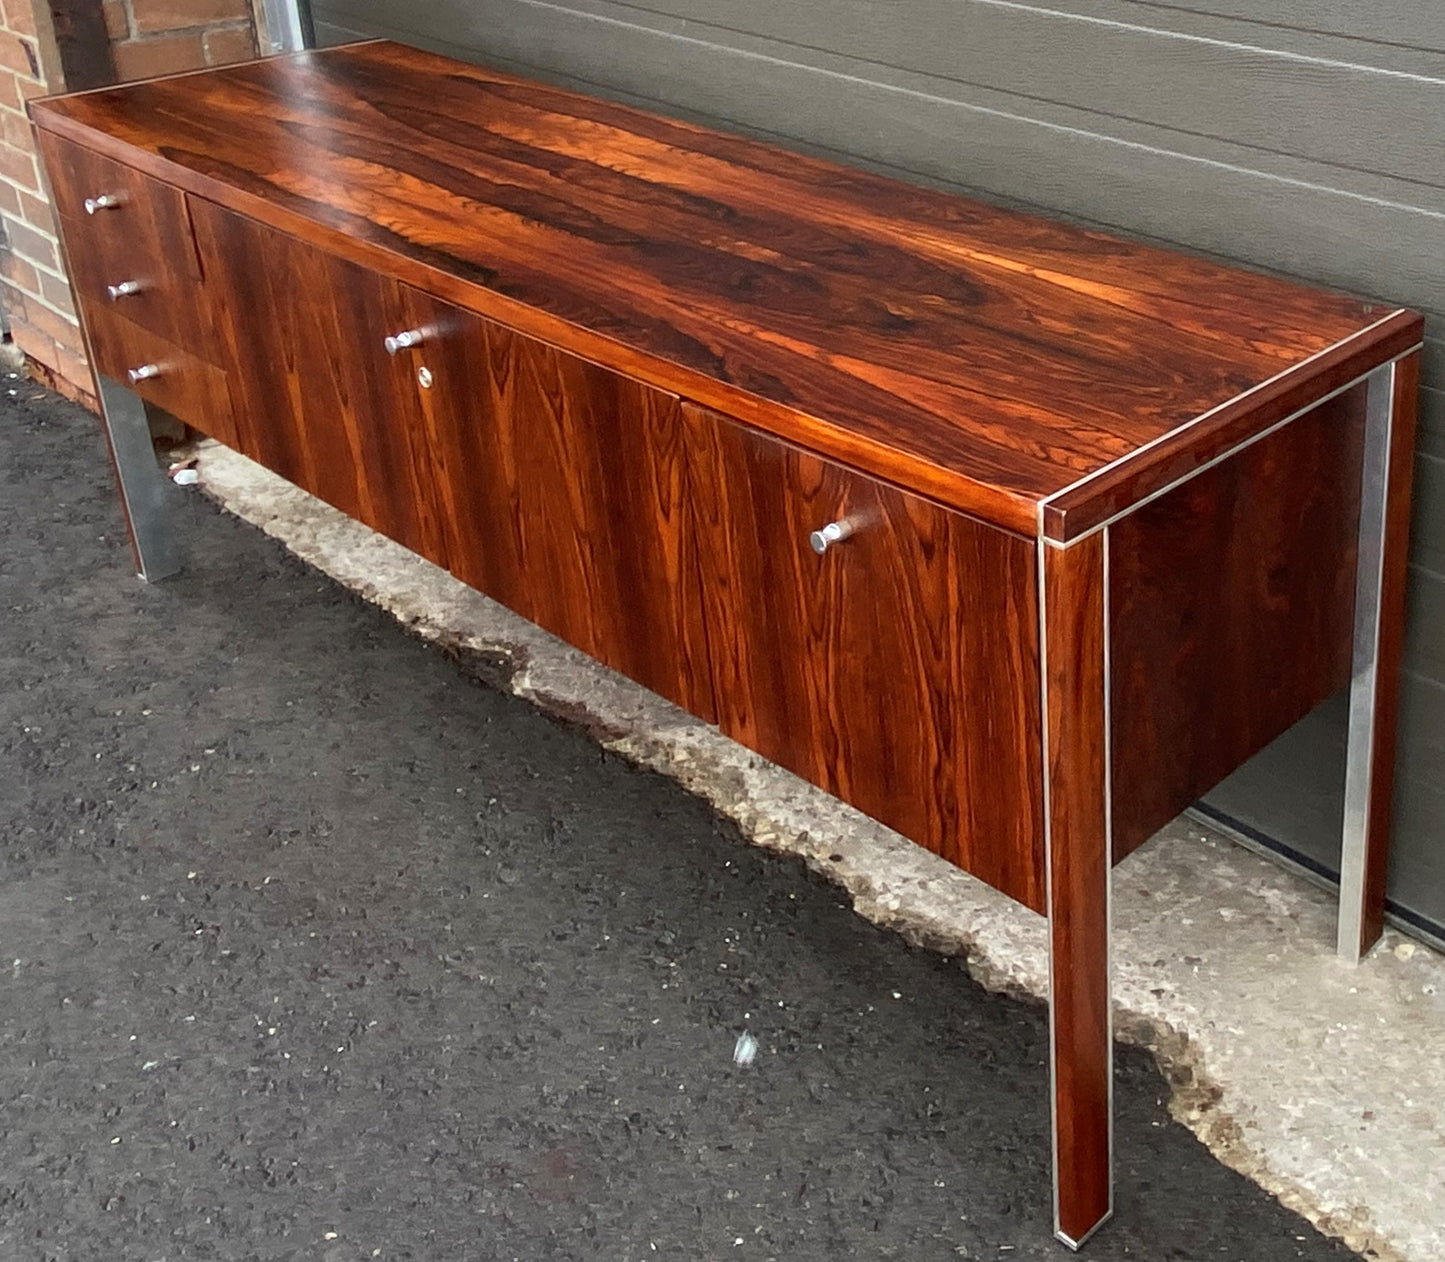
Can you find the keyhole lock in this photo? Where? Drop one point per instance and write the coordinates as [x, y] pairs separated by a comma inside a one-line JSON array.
[[424, 377]]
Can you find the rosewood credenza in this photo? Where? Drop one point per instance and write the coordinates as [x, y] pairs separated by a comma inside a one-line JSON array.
[[1019, 537]]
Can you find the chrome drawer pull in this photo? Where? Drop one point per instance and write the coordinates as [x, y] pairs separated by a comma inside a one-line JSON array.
[[144, 373], [400, 341], [123, 290], [833, 532], [106, 201]]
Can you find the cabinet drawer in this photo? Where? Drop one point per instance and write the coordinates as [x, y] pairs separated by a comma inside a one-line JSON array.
[[184, 385], [898, 669], [133, 251]]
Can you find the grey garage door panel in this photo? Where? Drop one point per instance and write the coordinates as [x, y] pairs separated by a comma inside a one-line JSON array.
[[1432, 357], [1261, 105], [1424, 643], [1409, 22], [329, 33], [1432, 423], [1427, 535], [1251, 95], [1292, 793]]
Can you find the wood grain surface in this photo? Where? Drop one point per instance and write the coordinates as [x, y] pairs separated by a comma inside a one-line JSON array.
[[187, 386], [898, 670], [1231, 612], [986, 358], [560, 490], [146, 239], [1075, 613], [318, 400]]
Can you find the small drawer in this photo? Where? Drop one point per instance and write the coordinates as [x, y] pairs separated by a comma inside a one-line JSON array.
[[184, 385], [128, 242]]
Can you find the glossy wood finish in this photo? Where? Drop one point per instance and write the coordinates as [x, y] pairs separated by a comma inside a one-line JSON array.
[[898, 670], [560, 490], [146, 239], [716, 348], [1075, 630], [187, 386], [1231, 612], [988, 359], [1389, 649], [1116, 490], [319, 400]]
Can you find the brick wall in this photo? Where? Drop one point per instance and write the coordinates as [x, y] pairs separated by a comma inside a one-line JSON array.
[[148, 37]]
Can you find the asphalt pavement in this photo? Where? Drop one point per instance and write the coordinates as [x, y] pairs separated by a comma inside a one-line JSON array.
[[316, 946]]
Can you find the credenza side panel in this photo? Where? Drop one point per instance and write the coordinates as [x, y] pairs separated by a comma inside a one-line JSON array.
[[897, 670], [560, 486], [317, 398], [1231, 612]]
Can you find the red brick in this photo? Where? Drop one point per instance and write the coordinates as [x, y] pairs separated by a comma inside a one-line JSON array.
[[22, 88], [18, 167], [175, 15], [33, 342], [15, 301], [10, 199], [64, 332], [30, 244], [56, 291], [235, 43], [75, 371], [61, 374], [169, 54], [20, 16], [13, 56], [15, 130], [19, 271], [36, 212], [117, 22]]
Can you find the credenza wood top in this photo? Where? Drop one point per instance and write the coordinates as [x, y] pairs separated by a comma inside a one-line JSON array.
[[1028, 372]]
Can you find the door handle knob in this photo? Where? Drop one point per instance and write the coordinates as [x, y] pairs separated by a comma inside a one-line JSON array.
[[400, 341], [106, 201], [833, 532], [144, 373], [125, 288]]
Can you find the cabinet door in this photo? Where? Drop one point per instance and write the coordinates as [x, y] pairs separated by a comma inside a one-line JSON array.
[[898, 669], [318, 398], [561, 491]]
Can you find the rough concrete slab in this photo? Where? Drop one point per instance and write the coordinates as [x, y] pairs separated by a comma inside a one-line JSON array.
[[1320, 1081]]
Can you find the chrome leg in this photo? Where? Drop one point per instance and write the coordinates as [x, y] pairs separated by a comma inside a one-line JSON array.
[[146, 494], [1369, 576]]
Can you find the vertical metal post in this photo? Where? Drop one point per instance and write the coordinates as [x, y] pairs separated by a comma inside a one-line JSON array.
[[287, 26], [1369, 584], [146, 493]]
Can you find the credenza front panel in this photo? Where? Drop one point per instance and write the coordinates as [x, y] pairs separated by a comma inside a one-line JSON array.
[[319, 399], [560, 490], [897, 669]]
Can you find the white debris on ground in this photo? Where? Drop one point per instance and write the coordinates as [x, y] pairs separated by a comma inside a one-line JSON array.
[[745, 1050]]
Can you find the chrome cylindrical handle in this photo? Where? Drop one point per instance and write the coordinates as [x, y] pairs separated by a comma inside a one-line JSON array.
[[400, 341], [106, 201], [144, 373], [833, 532], [124, 289]]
